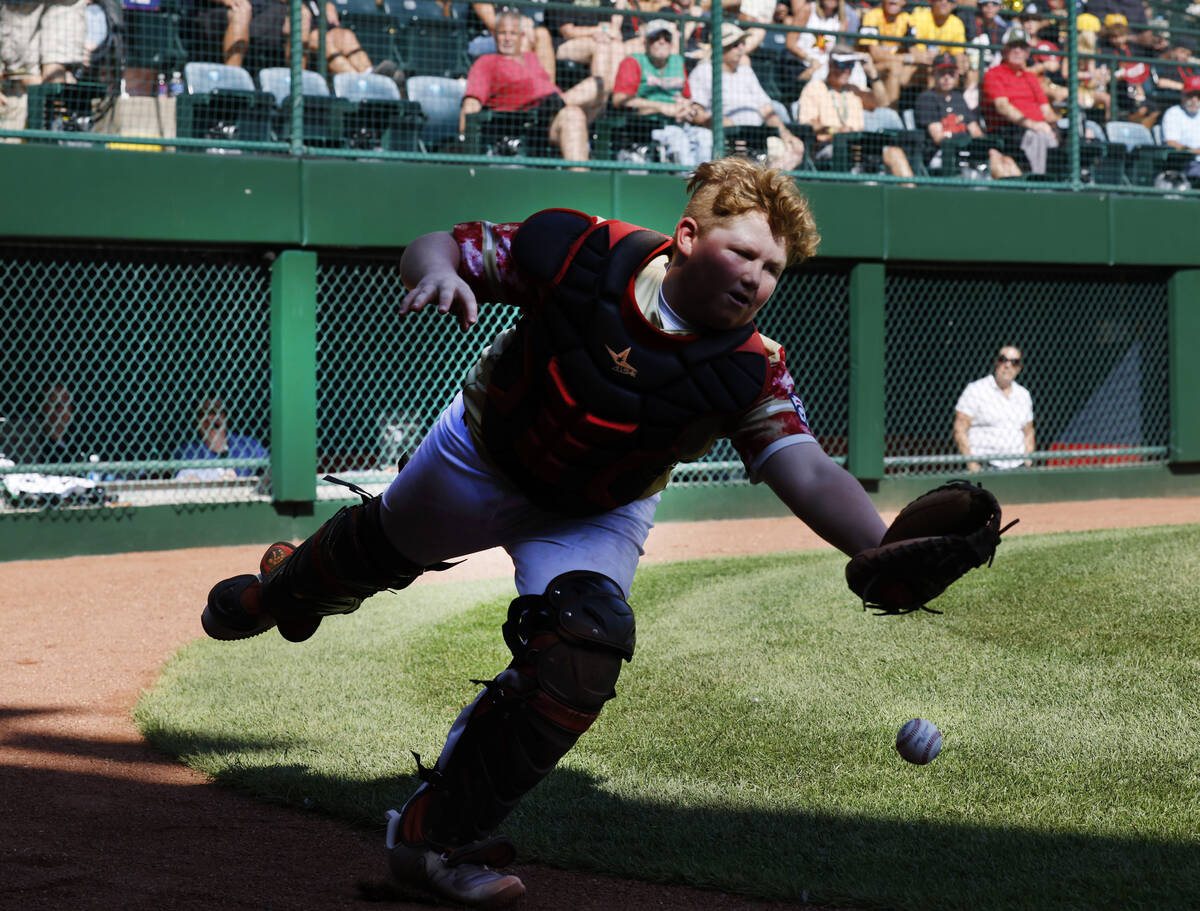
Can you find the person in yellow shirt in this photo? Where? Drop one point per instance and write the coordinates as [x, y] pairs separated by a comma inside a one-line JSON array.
[[897, 61], [937, 22]]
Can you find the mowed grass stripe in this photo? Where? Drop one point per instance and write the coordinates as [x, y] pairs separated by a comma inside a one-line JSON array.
[[751, 746]]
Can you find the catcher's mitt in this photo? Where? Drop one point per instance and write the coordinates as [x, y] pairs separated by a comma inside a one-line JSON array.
[[932, 542]]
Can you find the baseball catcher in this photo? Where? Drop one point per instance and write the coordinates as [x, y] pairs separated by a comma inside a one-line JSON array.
[[934, 540], [633, 351]]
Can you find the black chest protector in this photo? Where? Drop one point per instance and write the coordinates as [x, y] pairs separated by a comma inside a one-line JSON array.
[[589, 404]]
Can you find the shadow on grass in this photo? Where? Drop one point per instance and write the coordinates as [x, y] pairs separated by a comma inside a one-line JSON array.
[[570, 821]]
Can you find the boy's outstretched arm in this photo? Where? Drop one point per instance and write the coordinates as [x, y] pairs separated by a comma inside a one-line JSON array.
[[825, 496], [429, 269]]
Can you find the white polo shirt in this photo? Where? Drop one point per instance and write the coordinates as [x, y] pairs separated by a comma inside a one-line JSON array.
[[997, 420]]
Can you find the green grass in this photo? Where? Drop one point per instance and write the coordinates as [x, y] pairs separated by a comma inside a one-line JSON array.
[[751, 746]]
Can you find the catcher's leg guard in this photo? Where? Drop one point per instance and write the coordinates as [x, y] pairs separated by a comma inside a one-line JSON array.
[[345, 561], [567, 645]]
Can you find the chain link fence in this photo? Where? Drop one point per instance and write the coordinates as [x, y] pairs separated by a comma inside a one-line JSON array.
[[389, 78], [143, 377], [133, 377], [1095, 362]]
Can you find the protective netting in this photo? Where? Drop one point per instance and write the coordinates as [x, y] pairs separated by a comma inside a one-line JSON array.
[[631, 83], [133, 377], [143, 376], [1094, 360]]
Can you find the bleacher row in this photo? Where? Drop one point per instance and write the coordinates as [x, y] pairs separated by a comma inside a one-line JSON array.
[[369, 111]]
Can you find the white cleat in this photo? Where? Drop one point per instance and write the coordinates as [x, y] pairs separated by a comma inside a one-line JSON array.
[[462, 875]]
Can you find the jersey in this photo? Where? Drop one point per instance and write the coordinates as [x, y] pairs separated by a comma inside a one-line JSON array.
[[775, 420]]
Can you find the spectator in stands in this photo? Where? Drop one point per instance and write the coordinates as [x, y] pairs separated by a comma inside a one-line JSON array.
[[215, 441], [534, 36], [808, 53], [1177, 65], [1014, 105], [226, 23], [1131, 102], [942, 111], [42, 41], [1181, 124], [898, 63], [695, 32], [271, 26], [652, 83], [514, 80], [52, 434], [1093, 77], [599, 35], [983, 22], [832, 106], [1051, 72], [994, 415], [1109, 11], [937, 22], [743, 99]]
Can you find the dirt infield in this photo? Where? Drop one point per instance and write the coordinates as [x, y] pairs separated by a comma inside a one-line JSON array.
[[93, 818]]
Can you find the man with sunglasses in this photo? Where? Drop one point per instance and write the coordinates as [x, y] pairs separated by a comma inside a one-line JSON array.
[[994, 415]]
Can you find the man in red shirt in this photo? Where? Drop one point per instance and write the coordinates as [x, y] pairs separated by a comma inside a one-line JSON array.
[[1014, 104], [514, 80]]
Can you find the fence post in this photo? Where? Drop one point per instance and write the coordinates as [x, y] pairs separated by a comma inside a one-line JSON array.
[[1183, 340], [294, 377], [865, 457]]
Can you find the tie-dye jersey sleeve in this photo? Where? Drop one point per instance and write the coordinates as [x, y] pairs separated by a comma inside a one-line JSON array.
[[486, 262], [777, 419]]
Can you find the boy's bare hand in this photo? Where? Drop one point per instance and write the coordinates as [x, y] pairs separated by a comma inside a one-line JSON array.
[[448, 292]]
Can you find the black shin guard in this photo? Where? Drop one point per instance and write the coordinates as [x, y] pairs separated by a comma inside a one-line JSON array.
[[345, 561], [567, 645]]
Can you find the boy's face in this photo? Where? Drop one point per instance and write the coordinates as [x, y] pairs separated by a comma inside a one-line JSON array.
[[726, 275]]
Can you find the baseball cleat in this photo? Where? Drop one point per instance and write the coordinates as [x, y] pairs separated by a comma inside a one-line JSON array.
[[460, 875], [234, 610]]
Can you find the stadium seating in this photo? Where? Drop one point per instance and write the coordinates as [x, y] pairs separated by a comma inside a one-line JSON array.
[[434, 47], [221, 102], [322, 113], [377, 30], [440, 99], [374, 115]]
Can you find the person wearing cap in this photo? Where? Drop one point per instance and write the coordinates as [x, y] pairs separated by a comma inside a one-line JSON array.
[[897, 62], [942, 111], [833, 106], [513, 79], [1133, 77], [1015, 106], [651, 84], [1181, 124], [744, 100]]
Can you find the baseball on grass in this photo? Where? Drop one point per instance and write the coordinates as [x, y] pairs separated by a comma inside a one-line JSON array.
[[919, 741]]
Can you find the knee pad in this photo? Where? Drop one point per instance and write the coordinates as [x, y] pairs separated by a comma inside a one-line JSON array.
[[568, 644], [573, 638]]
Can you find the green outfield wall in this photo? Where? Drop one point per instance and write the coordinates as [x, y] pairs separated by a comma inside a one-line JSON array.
[[912, 290]]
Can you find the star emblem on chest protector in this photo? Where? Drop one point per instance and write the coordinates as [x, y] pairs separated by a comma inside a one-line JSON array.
[[621, 362]]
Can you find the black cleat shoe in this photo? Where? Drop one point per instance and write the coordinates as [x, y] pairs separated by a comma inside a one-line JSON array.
[[234, 610]]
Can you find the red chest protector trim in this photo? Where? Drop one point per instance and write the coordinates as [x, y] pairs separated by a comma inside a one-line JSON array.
[[589, 403]]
